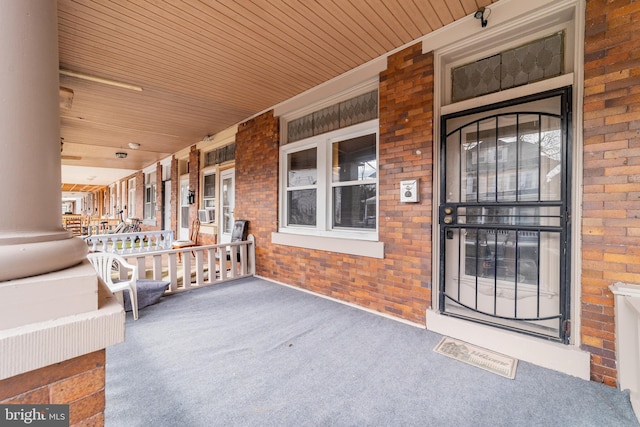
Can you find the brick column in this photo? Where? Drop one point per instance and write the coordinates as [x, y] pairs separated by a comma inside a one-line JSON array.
[[611, 200], [194, 182], [32, 240], [78, 382]]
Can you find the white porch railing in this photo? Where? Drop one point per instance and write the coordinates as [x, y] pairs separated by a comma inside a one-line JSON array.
[[131, 243], [200, 265]]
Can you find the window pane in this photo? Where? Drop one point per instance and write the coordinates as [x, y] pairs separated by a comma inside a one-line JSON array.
[[355, 159], [511, 215], [302, 169], [210, 185], [302, 207], [354, 206], [550, 159], [529, 158], [184, 217], [487, 161]]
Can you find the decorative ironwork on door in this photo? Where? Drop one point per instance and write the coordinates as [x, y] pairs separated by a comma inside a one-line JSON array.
[[505, 215]]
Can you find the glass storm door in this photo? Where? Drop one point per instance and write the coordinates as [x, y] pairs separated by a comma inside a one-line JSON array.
[[227, 196], [183, 226], [504, 215]]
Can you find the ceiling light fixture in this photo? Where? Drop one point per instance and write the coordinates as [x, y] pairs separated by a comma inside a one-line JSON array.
[[134, 145], [480, 15], [97, 79], [121, 155]]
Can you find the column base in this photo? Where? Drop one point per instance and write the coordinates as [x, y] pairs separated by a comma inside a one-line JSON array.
[[24, 259], [35, 345]]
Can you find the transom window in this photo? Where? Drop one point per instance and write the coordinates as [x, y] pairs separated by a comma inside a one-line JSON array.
[[331, 183], [537, 60]]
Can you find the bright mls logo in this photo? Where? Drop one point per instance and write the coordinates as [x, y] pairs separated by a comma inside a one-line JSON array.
[[34, 415]]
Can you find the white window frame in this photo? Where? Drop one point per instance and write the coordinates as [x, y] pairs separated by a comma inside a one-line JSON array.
[[208, 172], [131, 198], [112, 201], [323, 143], [150, 196]]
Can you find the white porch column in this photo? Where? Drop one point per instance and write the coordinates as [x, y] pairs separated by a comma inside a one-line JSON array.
[[32, 240]]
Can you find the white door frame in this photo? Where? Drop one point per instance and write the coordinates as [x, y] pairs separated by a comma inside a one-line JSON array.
[[227, 205], [183, 202], [167, 205]]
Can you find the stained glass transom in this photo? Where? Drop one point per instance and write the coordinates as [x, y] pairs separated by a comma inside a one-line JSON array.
[[535, 61], [350, 112], [220, 155]]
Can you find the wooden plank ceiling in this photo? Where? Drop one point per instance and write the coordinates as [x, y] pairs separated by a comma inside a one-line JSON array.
[[205, 65]]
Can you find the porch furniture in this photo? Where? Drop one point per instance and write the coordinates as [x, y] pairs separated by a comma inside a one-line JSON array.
[[72, 223], [149, 292], [193, 239], [240, 230], [104, 262], [238, 234]]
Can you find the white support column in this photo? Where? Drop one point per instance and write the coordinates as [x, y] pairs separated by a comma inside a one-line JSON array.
[[52, 307], [32, 240]]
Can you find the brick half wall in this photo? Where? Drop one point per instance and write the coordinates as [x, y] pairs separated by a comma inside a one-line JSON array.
[[78, 382]]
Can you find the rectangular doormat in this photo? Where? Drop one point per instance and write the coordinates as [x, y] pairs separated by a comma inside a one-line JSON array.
[[477, 356]]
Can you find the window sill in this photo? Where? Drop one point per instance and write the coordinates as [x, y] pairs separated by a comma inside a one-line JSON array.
[[330, 244]]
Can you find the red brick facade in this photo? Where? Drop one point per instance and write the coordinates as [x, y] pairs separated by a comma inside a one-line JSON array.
[[159, 197], [139, 194], [611, 199], [78, 382], [175, 201], [257, 186], [399, 284], [194, 182]]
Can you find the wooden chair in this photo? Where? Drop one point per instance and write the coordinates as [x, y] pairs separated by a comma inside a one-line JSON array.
[[193, 239]]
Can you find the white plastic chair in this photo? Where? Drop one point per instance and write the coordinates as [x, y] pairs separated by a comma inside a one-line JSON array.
[[102, 262]]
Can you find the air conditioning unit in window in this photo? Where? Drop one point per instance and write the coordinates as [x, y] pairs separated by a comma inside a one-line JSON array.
[[206, 215]]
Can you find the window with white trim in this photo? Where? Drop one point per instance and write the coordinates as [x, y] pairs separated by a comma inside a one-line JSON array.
[[209, 194], [330, 183], [150, 195], [131, 198]]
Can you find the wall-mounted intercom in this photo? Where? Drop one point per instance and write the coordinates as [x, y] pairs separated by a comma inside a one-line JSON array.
[[409, 191]]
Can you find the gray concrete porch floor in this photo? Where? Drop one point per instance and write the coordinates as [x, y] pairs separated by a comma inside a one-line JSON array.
[[254, 353]]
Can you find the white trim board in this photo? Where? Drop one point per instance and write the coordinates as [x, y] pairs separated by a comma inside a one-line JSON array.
[[330, 244], [563, 358]]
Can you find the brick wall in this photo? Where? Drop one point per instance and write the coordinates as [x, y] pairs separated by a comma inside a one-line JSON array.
[[399, 284], [78, 382], [139, 176], [257, 185], [159, 198], [175, 201], [194, 182], [611, 200]]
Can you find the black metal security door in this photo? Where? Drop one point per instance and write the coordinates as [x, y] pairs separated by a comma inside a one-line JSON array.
[[505, 214]]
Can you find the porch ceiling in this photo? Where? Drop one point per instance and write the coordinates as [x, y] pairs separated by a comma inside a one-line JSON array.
[[206, 65]]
